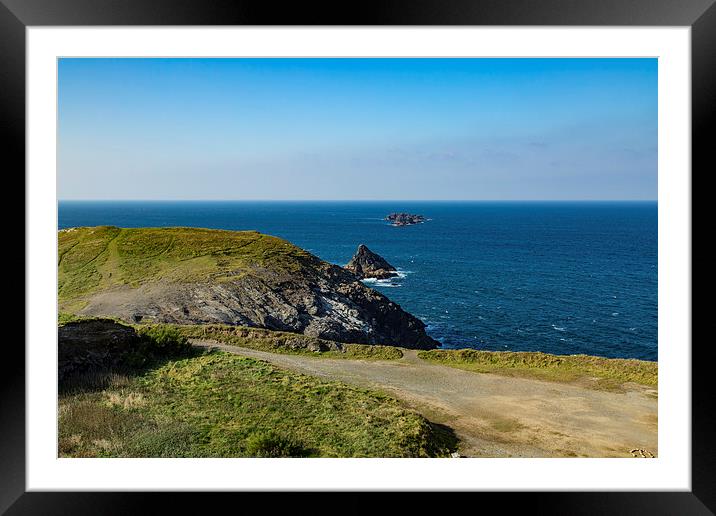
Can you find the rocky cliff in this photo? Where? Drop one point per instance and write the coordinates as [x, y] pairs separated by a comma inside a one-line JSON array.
[[199, 276], [366, 264]]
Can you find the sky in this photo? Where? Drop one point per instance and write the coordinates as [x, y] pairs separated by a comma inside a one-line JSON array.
[[359, 129]]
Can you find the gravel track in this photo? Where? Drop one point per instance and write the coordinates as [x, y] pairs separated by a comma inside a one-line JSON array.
[[497, 416]]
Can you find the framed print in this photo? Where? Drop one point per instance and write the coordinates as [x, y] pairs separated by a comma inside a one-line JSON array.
[[422, 249]]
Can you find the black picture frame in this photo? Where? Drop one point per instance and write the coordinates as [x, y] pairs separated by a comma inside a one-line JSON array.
[[17, 15]]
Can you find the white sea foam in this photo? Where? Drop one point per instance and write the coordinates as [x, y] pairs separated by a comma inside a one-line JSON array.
[[387, 282], [558, 328], [376, 282]]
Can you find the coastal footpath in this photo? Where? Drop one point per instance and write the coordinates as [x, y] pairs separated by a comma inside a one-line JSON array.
[[499, 415], [213, 390]]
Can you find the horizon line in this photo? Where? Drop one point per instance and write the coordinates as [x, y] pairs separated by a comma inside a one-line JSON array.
[[357, 200]]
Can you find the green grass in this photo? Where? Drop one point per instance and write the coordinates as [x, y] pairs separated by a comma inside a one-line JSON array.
[[95, 364], [64, 318], [598, 372], [368, 352], [92, 259], [223, 405], [285, 342]]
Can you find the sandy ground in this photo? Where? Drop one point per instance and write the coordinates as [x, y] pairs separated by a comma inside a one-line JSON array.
[[498, 416]]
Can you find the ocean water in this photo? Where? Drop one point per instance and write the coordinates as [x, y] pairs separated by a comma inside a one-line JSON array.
[[558, 277]]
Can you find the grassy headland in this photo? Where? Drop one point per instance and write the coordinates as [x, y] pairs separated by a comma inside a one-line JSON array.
[[93, 259], [202, 276]]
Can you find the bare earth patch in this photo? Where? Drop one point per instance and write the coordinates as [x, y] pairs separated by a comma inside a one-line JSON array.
[[498, 416]]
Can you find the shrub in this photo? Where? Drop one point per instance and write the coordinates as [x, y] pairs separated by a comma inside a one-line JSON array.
[[164, 340], [270, 444]]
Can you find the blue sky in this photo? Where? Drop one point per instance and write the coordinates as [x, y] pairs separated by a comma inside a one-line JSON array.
[[493, 129]]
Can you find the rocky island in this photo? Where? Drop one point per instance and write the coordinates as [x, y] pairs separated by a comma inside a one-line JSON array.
[[240, 278], [366, 264], [405, 219]]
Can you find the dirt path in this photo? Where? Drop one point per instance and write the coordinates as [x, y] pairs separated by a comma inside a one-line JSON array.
[[497, 416]]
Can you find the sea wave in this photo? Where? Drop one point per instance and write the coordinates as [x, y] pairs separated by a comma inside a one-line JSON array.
[[387, 282], [375, 282]]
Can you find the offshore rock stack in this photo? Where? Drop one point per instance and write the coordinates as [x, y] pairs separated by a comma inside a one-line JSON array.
[[367, 264]]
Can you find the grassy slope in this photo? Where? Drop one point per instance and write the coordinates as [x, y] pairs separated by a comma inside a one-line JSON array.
[[96, 258], [275, 341], [223, 405], [602, 373]]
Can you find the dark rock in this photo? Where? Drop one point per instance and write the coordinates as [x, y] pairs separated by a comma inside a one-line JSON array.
[[324, 301], [405, 219], [366, 264], [96, 343]]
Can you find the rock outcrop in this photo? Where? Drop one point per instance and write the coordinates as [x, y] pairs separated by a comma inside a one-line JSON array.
[[366, 264], [93, 344], [405, 219], [201, 276]]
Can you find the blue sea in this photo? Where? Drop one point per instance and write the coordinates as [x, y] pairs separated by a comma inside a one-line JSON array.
[[558, 277]]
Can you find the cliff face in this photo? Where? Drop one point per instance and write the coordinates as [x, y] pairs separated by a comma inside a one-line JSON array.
[[366, 264], [198, 276]]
